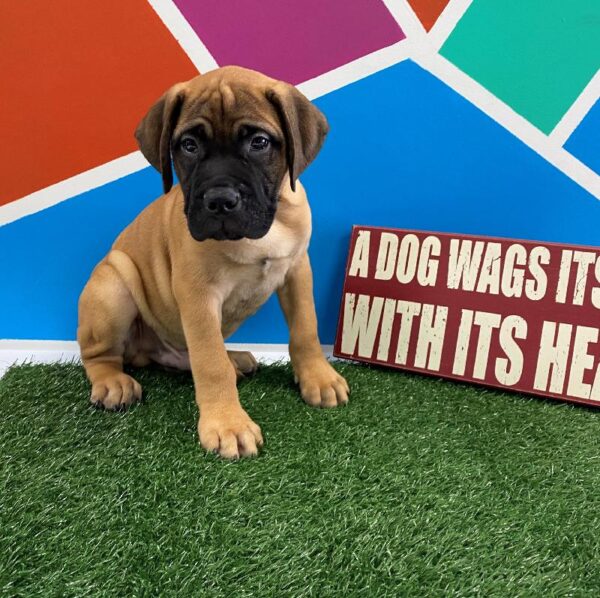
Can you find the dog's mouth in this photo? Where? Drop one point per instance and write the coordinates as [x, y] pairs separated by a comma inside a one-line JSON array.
[[225, 230], [219, 230], [226, 234]]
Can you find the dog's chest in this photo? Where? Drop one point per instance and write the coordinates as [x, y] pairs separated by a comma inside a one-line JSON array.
[[256, 269], [254, 284]]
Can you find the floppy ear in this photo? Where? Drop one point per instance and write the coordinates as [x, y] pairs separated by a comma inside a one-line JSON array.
[[304, 127], [154, 133]]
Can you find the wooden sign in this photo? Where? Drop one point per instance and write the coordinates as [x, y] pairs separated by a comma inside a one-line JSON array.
[[519, 315]]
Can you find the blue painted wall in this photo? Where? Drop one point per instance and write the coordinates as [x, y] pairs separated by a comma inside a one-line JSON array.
[[584, 143], [404, 150]]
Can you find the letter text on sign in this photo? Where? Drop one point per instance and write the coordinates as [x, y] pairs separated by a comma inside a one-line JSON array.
[[513, 314]]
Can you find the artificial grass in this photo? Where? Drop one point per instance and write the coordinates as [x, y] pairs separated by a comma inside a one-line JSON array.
[[419, 487]]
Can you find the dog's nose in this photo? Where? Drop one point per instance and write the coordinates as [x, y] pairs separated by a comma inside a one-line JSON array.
[[222, 200]]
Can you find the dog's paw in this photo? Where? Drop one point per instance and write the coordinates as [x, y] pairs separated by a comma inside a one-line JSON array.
[[115, 392], [229, 432], [321, 385], [244, 363]]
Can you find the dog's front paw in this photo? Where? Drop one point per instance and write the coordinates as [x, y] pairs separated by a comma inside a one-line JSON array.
[[321, 385], [229, 432], [116, 391]]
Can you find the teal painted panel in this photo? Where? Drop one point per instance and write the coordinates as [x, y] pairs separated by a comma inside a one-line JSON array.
[[535, 55]]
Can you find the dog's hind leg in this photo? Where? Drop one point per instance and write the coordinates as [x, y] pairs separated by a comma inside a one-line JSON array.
[[106, 312], [244, 363]]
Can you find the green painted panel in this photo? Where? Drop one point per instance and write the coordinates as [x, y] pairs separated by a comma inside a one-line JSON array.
[[535, 55]]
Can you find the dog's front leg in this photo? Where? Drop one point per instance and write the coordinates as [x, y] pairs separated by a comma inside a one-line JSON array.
[[320, 384], [224, 427]]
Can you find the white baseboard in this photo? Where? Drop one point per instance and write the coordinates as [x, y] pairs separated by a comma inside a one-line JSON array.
[[17, 351], [13, 352]]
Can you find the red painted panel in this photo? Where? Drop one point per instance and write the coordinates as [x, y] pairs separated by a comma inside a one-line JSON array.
[[428, 11], [77, 76], [520, 315]]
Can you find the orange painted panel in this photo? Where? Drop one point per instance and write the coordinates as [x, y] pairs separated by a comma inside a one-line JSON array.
[[77, 77], [428, 11]]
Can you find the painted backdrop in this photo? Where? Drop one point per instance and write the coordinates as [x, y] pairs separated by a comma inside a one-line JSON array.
[[466, 116]]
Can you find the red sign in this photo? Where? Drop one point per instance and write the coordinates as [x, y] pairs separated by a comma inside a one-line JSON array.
[[520, 315]]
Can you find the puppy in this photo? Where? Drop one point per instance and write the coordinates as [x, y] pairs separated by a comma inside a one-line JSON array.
[[207, 254]]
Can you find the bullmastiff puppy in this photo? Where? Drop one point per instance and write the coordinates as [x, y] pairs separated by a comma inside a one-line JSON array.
[[209, 252]]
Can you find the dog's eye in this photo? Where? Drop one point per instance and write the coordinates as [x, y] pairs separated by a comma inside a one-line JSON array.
[[189, 145], [259, 142]]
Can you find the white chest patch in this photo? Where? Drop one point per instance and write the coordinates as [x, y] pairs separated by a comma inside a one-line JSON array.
[[254, 284], [262, 265]]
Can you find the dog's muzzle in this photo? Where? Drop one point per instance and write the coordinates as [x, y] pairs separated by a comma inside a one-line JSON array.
[[219, 210], [228, 207]]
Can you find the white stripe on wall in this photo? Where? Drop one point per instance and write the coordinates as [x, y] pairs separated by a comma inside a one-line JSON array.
[[446, 22], [182, 31], [407, 20], [356, 70], [75, 185], [576, 113]]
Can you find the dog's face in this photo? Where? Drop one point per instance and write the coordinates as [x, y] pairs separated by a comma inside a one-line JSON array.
[[233, 135]]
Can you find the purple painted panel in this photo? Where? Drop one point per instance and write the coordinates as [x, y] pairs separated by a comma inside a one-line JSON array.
[[293, 40]]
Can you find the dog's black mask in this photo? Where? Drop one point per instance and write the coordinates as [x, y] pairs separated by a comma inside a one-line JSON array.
[[230, 185]]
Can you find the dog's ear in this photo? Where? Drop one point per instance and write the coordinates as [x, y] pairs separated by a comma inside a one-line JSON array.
[[154, 132], [303, 124]]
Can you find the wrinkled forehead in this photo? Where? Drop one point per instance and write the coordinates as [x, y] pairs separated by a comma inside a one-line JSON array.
[[222, 107]]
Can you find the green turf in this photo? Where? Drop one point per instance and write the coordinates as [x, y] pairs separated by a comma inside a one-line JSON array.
[[419, 487]]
